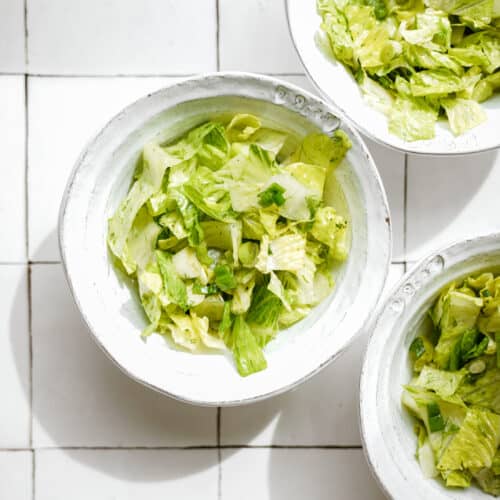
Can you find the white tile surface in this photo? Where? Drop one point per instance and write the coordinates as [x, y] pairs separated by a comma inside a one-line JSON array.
[[126, 474], [12, 36], [121, 37], [254, 37], [12, 167], [295, 474], [65, 113], [322, 411], [391, 166], [15, 475], [451, 199], [81, 399], [14, 358]]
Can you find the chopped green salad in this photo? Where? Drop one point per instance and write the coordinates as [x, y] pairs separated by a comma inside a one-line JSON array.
[[228, 237], [417, 60], [455, 392]]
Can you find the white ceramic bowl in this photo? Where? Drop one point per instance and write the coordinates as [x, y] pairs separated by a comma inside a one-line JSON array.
[[109, 305], [387, 428], [337, 85]]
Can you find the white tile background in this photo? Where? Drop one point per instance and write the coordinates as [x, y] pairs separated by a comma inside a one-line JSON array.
[[71, 425]]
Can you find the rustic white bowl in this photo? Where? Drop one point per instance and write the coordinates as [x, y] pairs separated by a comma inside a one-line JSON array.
[[109, 305], [387, 428], [337, 85]]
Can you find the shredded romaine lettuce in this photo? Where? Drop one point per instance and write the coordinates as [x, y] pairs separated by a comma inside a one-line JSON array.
[[228, 238], [455, 393], [418, 60]]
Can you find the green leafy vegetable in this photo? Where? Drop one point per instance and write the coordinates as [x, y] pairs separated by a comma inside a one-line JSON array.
[[273, 194], [227, 236], [455, 393], [418, 61]]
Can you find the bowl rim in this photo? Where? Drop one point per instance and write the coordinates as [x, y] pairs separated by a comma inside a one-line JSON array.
[[446, 257], [186, 82], [359, 126]]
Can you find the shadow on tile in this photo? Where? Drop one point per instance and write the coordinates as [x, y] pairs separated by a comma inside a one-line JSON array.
[[81, 399], [320, 474], [322, 411], [438, 191]]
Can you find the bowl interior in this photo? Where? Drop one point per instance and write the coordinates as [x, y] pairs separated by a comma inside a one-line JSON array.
[[109, 303], [339, 87], [387, 426]]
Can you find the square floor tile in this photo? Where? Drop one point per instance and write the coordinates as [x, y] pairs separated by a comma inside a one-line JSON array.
[[65, 113], [80, 398], [295, 474], [322, 411], [14, 358], [254, 36], [16, 475], [12, 36], [451, 199], [12, 167], [391, 166], [117, 37], [126, 474]]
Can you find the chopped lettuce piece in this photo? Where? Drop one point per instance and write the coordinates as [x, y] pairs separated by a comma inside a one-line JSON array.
[[174, 286], [155, 162], [475, 444], [443, 383], [463, 114], [247, 353], [412, 119], [413, 60], [242, 126], [263, 314], [458, 404]]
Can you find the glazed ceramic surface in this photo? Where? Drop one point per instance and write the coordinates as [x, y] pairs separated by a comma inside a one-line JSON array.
[[339, 87], [387, 428], [107, 300]]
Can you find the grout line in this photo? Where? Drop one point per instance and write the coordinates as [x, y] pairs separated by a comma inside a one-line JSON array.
[[126, 75], [30, 349], [217, 34], [405, 208], [111, 75], [290, 447], [187, 448], [26, 58], [10, 450], [33, 475], [36, 262], [26, 167], [219, 454], [28, 262]]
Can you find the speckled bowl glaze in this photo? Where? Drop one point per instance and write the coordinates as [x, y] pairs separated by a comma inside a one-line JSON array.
[[387, 428], [338, 86], [107, 300]]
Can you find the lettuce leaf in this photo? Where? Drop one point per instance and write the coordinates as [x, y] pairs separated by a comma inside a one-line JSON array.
[[154, 163], [475, 444], [463, 114], [247, 353]]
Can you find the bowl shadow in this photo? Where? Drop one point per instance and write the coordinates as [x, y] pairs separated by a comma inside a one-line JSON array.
[[438, 194], [84, 404]]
